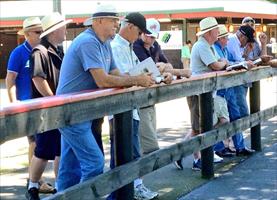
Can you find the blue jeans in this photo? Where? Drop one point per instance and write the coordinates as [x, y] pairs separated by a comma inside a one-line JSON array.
[[81, 158], [136, 145], [232, 96], [241, 93]]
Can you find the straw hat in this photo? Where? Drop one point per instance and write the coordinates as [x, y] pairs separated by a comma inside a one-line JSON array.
[[207, 24], [29, 24], [105, 10], [222, 31], [53, 22], [153, 26]]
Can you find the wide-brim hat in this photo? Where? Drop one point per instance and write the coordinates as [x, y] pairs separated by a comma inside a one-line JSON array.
[[222, 31], [30, 24], [102, 11], [138, 20], [53, 22], [153, 26], [207, 24]]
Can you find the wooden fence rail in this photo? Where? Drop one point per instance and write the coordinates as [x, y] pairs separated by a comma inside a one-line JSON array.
[[122, 175], [38, 115]]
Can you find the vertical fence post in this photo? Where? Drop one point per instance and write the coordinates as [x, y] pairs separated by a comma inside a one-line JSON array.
[[206, 122], [255, 107], [124, 148], [57, 6]]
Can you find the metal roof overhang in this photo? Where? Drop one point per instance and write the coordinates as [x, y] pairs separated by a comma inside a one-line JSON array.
[[171, 14]]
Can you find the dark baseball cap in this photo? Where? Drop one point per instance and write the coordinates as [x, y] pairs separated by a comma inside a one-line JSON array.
[[138, 20], [248, 31]]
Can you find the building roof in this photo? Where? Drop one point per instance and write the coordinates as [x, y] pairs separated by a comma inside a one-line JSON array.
[[257, 9]]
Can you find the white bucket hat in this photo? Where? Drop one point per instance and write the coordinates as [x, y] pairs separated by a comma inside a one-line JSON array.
[[153, 26], [105, 10], [29, 24], [207, 24], [222, 31], [53, 22]]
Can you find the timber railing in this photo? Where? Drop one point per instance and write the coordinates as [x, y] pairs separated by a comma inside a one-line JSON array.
[[38, 115]]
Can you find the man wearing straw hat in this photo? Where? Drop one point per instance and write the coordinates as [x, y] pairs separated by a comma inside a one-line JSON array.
[[203, 59], [45, 65], [18, 79], [89, 64], [231, 96]]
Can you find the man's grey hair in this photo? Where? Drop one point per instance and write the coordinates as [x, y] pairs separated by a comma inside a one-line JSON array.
[[123, 24]]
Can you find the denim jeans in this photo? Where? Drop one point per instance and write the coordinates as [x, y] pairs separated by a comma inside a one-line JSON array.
[[81, 158], [232, 96], [136, 144], [241, 93]]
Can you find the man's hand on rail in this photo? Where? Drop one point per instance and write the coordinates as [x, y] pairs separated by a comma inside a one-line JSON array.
[[167, 77], [145, 80]]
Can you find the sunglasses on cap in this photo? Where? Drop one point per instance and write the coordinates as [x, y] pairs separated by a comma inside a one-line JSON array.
[[249, 21], [37, 32]]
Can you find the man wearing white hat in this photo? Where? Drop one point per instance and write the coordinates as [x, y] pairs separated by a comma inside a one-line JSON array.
[[147, 46], [18, 79], [203, 59], [89, 64], [45, 65]]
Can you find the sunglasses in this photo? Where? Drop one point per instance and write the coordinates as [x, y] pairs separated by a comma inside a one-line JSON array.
[[37, 32]]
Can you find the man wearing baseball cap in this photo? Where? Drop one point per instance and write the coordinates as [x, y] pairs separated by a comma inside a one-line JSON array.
[[89, 64], [237, 41], [45, 65], [254, 50]]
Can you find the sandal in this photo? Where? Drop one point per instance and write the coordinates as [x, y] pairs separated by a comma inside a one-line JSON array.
[[46, 188]]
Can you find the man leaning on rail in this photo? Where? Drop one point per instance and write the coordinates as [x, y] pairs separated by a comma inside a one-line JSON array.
[[89, 64]]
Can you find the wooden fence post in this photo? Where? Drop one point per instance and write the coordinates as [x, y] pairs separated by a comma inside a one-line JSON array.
[[123, 140], [206, 123], [255, 107]]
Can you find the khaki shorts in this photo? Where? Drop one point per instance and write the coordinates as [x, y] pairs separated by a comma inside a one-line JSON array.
[[147, 130], [220, 109], [193, 103]]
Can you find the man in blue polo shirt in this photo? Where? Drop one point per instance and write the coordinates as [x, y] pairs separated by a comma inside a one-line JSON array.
[[89, 64], [18, 78]]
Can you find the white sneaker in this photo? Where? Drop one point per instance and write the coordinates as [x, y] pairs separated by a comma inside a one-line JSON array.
[[143, 193], [217, 159]]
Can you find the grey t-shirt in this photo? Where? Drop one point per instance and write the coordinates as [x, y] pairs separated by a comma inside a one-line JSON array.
[[202, 55]]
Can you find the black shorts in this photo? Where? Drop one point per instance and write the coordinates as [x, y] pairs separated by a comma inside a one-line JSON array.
[[48, 145]]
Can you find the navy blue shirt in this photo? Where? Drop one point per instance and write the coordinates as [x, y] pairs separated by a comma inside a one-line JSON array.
[[155, 52]]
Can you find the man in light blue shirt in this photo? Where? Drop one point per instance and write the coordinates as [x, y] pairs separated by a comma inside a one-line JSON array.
[[89, 64], [235, 46]]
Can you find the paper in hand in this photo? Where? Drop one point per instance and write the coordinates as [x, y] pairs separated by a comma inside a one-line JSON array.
[[146, 66]]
